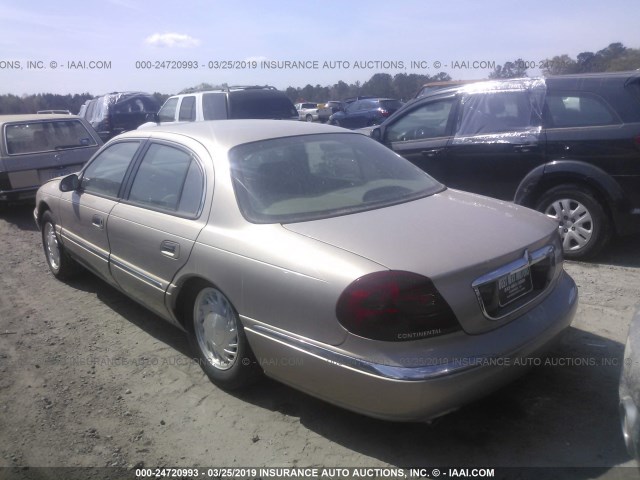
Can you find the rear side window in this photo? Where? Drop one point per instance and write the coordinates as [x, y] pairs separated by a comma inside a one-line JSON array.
[[168, 111], [495, 112], [214, 106], [187, 109], [50, 136], [168, 179], [578, 110], [261, 106]]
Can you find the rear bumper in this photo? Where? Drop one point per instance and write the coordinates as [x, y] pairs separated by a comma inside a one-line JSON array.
[[404, 393]]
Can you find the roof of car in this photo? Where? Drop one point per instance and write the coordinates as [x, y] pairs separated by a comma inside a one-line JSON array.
[[30, 117], [229, 133], [575, 81]]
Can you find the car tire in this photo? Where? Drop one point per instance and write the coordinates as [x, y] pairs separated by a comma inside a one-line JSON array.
[[217, 337], [62, 266], [582, 221], [309, 118]]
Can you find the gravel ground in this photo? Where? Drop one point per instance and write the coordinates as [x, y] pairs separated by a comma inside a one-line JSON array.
[[89, 378]]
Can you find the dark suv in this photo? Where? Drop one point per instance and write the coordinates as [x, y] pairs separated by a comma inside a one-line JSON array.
[[118, 112], [365, 112], [568, 146]]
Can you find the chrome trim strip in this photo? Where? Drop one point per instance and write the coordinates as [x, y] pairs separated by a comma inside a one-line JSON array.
[[391, 372], [137, 273], [527, 260], [64, 234]]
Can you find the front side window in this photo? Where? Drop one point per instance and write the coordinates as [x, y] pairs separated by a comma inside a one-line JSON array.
[[168, 111], [50, 136], [104, 175], [307, 177], [578, 110], [168, 179], [429, 120]]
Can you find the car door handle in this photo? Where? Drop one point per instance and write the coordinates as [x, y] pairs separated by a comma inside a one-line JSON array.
[[97, 221], [524, 148], [170, 249], [432, 152]]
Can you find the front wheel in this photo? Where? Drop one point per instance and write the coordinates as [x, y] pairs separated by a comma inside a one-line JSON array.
[[217, 337], [582, 222], [309, 118], [60, 263]]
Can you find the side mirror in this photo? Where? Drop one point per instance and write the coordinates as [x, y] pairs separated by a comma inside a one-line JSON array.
[[376, 134], [69, 183]]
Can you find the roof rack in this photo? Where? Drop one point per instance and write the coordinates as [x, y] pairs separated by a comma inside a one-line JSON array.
[[250, 87]]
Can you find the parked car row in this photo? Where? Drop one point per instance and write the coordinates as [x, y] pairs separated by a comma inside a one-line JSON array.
[[568, 146], [35, 148]]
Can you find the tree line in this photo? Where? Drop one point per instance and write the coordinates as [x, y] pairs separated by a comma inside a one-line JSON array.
[[615, 57]]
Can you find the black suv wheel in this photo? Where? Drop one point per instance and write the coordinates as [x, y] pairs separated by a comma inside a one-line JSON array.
[[582, 222]]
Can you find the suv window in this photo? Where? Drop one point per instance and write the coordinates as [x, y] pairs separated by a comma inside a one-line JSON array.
[[37, 137], [168, 111], [427, 121], [187, 109], [263, 106], [488, 113], [168, 179], [578, 110], [214, 106], [103, 176]]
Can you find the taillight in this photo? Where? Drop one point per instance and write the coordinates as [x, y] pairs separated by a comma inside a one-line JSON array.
[[395, 306], [636, 139], [384, 113]]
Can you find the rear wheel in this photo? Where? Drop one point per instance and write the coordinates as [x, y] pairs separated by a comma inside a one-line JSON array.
[[582, 222], [60, 263], [217, 337]]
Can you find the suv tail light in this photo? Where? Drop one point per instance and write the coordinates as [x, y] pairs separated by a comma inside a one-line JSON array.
[[395, 306], [384, 113]]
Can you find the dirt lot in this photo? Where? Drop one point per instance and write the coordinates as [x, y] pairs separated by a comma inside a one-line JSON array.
[[89, 378]]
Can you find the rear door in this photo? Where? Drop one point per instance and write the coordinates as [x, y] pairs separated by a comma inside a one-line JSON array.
[[498, 140], [152, 231]]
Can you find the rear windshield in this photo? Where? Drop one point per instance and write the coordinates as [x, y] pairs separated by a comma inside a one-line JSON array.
[[48, 136], [308, 177], [261, 106]]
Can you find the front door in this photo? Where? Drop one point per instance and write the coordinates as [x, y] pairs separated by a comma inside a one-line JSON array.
[[84, 212]]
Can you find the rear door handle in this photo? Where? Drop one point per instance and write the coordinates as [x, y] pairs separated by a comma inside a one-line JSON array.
[[525, 148], [170, 249], [97, 221]]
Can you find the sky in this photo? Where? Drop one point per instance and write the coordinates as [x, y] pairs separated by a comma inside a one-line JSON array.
[[162, 46]]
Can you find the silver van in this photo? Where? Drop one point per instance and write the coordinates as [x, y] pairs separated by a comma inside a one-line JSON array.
[[36, 148]]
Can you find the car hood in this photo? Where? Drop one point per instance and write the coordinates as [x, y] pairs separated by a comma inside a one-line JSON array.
[[447, 231]]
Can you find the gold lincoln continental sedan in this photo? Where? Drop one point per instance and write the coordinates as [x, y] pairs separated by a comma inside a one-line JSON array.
[[318, 257]]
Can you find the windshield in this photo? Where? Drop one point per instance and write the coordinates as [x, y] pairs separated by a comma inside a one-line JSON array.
[[307, 177]]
